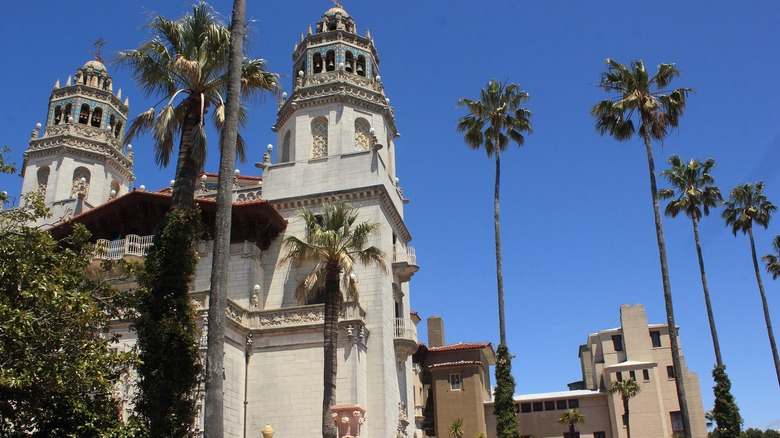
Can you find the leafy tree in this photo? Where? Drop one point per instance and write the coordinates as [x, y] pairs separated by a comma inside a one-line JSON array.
[[627, 389], [758, 433], [57, 371], [493, 122], [456, 428], [693, 192], [748, 205], [646, 101], [188, 56], [725, 413], [506, 419], [571, 418], [333, 242], [170, 366]]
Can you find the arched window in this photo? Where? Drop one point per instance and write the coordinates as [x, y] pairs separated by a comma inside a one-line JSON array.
[[57, 115], [350, 62], [330, 61], [67, 115], [81, 177], [97, 117], [84, 114], [286, 147], [117, 129], [361, 65], [111, 123], [319, 137], [317, 59], [43, 180], [362, 135]]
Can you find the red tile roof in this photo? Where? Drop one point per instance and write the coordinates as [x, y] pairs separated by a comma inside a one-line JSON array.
[[456, 364], [461, 346]]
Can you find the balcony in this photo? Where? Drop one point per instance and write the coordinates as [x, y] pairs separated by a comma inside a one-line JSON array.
[[405, 339], [132, 245], [404, 262]]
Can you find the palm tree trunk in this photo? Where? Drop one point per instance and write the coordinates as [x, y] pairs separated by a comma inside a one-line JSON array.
[[659, 232], [707, 302], [766, 306], [625, 412], [499, 268], [220, 267], [571, 429], [330, 350], [186, 170]]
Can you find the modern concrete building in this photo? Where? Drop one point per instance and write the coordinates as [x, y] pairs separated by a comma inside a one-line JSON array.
[[336, 136], [453, 382]]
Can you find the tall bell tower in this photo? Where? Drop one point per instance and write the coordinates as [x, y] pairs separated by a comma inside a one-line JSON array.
[[76, 160], [336, 137]]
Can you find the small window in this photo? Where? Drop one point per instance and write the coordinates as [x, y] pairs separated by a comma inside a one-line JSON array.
[[599, 434], [57, 114], [625, 420], [646, 375], [571, 435], [330, 60], [97, 117], [670, 372], [617, 342], [455, 384], [538, 407], [655, 337], [84, 114], [525, 408], [619, 376], [632, 374], [677, 423], [317, 60], [574, 403], [549, 405], [286, 147], [561, 404]]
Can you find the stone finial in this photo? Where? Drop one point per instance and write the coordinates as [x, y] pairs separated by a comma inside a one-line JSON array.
[[268, 431], [368, 34], [119, 94], [57, 84], [308, 32], [127, 102], [68, 82]]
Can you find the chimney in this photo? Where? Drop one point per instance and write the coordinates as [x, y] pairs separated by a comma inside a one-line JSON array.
[[435, 331]]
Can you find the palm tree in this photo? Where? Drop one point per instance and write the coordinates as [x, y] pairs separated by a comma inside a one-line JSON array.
[[456, 428], [773, 261], [333, 242], [747, 205], [627, 389], [495, 120], [694, 194], [571, 418], [220, 267], [188, 56], [655, 109]]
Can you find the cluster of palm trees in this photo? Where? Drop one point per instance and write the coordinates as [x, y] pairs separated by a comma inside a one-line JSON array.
[[643, 105]]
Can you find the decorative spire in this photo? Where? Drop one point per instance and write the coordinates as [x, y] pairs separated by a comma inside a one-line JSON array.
[[98, 44], [337, 3]]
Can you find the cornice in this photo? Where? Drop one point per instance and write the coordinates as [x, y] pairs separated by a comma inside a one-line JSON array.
[[94, 149]]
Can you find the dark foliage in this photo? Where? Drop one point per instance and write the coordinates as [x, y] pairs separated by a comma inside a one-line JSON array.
[[725, 412], [506, 418]]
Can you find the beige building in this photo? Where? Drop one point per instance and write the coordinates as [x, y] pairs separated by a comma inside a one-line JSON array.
[[633, 350]]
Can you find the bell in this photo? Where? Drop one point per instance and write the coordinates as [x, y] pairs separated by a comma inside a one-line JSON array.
[[349, 66], [330, 64], [360, 69]]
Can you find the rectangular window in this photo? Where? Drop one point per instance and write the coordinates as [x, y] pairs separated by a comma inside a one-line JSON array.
[[632, 375], [619, 376], [455, 382], [561, 404], [670, 372], [570, 435], [525, 408], [538, 406], [599, 434], [677, 423], [646, 375], [655, 337], [549, 406], [617, 342], [574, 403], [625, 420]]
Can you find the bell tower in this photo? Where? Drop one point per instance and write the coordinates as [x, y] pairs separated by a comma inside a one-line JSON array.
[[77, 161]]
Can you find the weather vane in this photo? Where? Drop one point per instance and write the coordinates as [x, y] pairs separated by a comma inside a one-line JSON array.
[[338, 4], [98, 44]]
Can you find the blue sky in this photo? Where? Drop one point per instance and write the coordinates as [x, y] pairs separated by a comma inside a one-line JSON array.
[[576, 216]]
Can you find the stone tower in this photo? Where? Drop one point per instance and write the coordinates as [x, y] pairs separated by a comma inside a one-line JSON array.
[[336, 133], [77, 161]]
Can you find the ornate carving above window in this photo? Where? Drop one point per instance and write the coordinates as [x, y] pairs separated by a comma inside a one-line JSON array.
[[319, 137]]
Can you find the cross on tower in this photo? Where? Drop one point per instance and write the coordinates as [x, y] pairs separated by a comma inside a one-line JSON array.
[[98, 44]]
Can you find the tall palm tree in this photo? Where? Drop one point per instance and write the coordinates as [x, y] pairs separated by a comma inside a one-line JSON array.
[[693, 192], [332, 244], [747, 205], [188, 57], [495, 120], [571, 418], [220, 267], [646, 101], [627, 389]]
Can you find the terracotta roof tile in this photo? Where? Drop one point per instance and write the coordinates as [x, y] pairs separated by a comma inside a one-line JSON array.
[[456, 363], [461, 346]]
